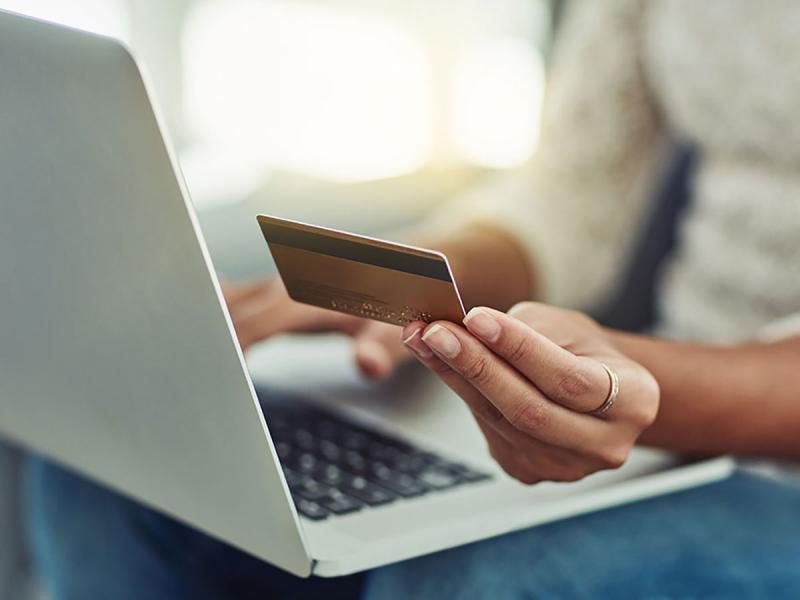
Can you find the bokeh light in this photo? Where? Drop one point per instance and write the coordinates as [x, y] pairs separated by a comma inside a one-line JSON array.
[[108, 17], [327, 93]]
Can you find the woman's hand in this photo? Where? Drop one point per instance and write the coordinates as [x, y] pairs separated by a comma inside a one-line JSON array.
[[497, 274], [533, 379], [263, 309]]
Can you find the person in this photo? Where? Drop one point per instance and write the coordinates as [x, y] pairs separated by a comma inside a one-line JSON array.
[[718, 376]]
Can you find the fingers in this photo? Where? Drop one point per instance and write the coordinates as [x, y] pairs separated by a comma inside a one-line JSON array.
[[412, 339], [536, 462], [507, 445], [478, 376], [483, 410], [513, 462], [576, 382], [264, 309], [235, 293], [378, 349], [263, 317], [522, 455]]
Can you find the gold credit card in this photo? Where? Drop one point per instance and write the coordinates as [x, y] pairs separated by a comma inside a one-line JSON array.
[[362, 276]]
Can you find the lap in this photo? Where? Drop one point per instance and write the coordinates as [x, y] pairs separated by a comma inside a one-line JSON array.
[[92, 543], [737, 538]]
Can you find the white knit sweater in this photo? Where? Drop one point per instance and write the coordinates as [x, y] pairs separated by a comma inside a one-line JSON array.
[[627, 76]]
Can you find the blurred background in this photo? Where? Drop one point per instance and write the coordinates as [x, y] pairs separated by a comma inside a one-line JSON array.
[[348, 113]]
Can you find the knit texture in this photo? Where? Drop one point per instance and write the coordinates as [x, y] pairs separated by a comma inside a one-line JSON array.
[[628, 75]]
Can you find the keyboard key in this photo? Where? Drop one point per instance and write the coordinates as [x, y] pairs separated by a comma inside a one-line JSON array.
[[311, 510], [292, 477], [438, 479], [304, 439], [277, 423], [353, 462], [352, 440], [381, 471], [384, 452], [410, 463], [283, 450], [466, 474], [404, 485], [330, 451], [368, 492], [341, 504], [395, 481], [311, 490], [332, 475], [305, 462]]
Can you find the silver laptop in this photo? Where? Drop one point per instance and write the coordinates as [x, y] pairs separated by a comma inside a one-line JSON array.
[[118, 358]]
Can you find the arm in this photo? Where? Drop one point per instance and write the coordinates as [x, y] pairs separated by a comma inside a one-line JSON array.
[[574, 211], [535, 378], [742, 399], [490, 266]]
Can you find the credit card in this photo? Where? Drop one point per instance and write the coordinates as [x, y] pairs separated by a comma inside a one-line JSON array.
[[362, 276]]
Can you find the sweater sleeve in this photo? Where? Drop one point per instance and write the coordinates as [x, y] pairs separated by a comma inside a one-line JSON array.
[[785, 328], [576, 207]]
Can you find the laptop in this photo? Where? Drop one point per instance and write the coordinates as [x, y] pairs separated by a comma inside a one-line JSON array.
[[118, 358]]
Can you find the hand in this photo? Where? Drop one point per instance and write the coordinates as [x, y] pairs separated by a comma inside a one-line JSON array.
[[532, 378], [263, 309]]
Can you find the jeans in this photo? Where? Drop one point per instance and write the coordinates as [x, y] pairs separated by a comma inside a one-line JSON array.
[[739, 538]]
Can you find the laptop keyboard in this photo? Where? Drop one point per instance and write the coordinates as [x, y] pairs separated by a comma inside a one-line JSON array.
[[335, 467]]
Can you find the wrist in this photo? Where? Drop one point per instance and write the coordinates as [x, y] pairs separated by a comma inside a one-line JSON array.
[[490, 267]]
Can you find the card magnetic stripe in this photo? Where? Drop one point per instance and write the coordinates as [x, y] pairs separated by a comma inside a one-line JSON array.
[[356, 251]]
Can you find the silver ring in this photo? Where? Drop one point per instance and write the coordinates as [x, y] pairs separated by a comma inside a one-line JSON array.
[[612, 393]]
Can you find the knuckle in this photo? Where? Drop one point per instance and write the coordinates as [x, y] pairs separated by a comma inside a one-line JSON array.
[[644, 405], [478, 371], [528, 478], [518, 351], [513, 467], [439, 367], [531, 416], [521, 309], [643, 415], [613, 457], [495, 454], [652, 393], [582, 318], [576, 318], [572, 383], [521, 473], [488, 412]]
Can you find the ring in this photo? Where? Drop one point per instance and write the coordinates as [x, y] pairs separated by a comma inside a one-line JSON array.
[[612, 393]]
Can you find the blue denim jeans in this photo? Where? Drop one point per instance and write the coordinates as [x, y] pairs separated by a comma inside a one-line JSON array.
[[739, 538]]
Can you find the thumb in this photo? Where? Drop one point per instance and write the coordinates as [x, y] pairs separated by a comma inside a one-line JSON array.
[[378, 349]]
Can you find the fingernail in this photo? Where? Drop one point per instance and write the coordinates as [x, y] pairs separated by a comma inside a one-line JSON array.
[[416, 345], [440, 340], [483, 324]]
